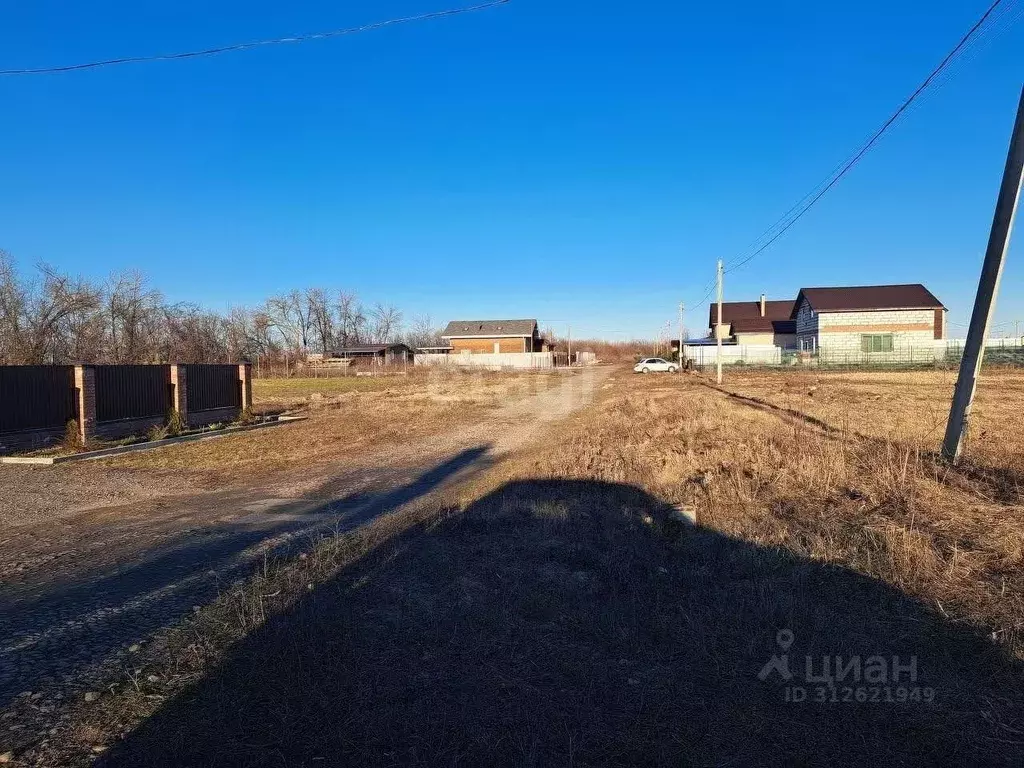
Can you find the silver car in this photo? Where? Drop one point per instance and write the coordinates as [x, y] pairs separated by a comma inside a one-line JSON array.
[[655, 365]]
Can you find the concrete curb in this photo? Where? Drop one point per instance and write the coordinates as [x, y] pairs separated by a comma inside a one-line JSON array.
[[147, 446]]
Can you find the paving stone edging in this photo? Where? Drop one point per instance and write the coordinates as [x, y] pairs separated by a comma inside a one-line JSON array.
[[148, 446]]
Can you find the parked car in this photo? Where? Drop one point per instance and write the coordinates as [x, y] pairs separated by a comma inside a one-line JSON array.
[[655, 365]]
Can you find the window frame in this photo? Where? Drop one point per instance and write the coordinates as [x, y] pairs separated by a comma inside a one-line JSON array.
[[885, 343]]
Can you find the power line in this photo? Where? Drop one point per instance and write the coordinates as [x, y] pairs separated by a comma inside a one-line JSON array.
[[995, 26], [256, 44], [849, 164]]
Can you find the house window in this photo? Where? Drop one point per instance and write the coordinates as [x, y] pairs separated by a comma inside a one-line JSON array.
[[876, 342]]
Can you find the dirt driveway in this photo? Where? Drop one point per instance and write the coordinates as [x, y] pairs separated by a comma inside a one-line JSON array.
[[129, 552]]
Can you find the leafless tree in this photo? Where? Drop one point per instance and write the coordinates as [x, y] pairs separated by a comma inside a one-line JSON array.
[[423, 333], [321, 319], [289, 315], [55, 318], [33, 315], [351, 319], [133, 316], [386, 322]]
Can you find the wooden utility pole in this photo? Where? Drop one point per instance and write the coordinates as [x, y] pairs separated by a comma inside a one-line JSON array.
[[988, 286], [718, 326], [680, 360]]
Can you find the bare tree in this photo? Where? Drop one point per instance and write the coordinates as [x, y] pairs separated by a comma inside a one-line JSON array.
[[423, 333], [33, 316], [289, 315], [133, 313], [13, 310], [350, 318], [386, 323], [55, 318], [321, 319]]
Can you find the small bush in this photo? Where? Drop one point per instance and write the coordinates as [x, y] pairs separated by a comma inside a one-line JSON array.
[[72, 436], [176, 424], [157, 432]]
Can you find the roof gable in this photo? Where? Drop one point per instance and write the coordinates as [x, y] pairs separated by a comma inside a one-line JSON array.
[[487, 328], [867, 297]]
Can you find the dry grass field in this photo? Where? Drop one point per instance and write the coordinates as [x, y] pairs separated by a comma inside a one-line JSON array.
[[350, 417], [905, 407], [554, 611]]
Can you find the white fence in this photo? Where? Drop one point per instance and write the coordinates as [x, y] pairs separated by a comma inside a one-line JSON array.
[[941, 351], [490, 360], [751, 354]]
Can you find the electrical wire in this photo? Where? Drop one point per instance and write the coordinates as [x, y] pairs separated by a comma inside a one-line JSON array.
[[802, 207], [255, 44]]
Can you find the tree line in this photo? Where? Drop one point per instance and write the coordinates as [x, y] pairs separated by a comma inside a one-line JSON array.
[[49, 317]]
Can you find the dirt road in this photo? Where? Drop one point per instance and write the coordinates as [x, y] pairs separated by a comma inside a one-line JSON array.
[[78, 589]]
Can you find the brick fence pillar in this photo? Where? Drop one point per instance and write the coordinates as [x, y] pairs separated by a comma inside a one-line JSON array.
[[179, 391], [85, 384], [245, 379]]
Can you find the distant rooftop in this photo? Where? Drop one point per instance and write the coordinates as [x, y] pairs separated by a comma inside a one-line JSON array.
[[460, 329]]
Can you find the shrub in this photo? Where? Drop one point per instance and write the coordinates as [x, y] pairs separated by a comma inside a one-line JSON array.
[[72, 436], [176, 423], [157, 432]]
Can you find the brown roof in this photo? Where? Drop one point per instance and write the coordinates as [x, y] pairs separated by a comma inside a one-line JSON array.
[[868, 297], [762, 325], [750, 310], [468, 328]]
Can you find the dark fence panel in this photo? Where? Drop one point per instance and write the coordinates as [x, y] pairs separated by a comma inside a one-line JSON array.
[[212, 386], [131, 391], [36, 396]]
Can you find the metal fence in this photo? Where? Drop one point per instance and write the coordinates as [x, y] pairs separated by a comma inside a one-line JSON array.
[[213, 386], [132, 391], [942, 354], [36, 397]]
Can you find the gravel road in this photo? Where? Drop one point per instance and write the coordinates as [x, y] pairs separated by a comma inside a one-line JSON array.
[[85, 573]]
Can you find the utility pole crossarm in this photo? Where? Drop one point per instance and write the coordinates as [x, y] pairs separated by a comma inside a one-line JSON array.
[[988, 287]]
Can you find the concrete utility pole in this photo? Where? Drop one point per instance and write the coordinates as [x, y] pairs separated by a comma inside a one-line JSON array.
[[988, 286], [680, 360], [718, 326]]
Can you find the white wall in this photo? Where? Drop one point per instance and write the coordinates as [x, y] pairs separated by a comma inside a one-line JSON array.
[[496, 361], [751, 354], [842, 331]]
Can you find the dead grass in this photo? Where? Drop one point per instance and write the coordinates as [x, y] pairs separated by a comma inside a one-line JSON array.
[[551, 614], [274, 393], [349, 418], [906, 407]]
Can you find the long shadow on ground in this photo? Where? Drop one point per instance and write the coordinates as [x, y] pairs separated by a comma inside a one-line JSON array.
[[69, 627], [561, 623]]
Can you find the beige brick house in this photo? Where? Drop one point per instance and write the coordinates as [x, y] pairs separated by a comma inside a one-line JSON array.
[[492, 336], [869, 319], [755, 322]]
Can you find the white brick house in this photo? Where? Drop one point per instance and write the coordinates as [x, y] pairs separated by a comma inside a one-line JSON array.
[[868, 320]]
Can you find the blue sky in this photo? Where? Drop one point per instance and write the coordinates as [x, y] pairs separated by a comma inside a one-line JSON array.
[[580, 162]]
